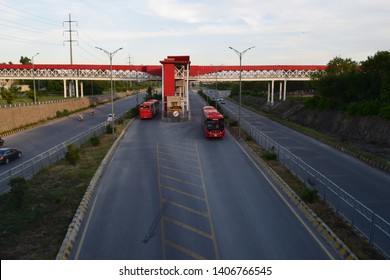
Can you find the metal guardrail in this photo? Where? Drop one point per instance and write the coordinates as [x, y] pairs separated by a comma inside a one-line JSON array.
[[32, 166], [370, 224]]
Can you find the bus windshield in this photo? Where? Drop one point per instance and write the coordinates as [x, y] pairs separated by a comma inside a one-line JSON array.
[[215, 125], [144, 107]]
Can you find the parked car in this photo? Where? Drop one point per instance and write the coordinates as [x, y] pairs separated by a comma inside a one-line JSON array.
[[8, 154], [110, 118]]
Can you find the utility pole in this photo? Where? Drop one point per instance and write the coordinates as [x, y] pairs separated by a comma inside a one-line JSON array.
[[70, 31], [71, 41], [129, 58]]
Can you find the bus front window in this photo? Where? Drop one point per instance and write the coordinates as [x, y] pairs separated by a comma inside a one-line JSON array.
[[215, 125]]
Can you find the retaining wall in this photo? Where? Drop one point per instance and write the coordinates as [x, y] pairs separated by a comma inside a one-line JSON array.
[[15, 117]]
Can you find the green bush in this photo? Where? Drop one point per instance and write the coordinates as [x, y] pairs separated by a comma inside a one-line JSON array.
[[95, 140], [73, 153], [18, 191], [311, 102], [367, 108], [353, 108], [63, 113], [309, 195], [269, 155], [384, 112], [109, 129], [132, 113], [232, 123]]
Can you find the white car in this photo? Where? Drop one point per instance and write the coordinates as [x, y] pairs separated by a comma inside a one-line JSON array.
[[110, 118]]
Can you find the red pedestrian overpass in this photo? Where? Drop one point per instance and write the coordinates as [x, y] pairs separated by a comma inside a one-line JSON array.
[[154, 72], [175, 72]]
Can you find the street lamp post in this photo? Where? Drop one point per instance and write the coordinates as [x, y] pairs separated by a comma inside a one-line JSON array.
[[216, 85], [240, 55], [33, 72], [110, 55]]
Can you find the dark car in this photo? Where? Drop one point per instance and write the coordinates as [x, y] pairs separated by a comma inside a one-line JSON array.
[[8, 154]]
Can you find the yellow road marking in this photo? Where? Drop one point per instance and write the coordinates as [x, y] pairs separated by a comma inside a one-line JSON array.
[[181, 163], [181, 181], [177, 146], [188, 227], [180, 171], [208, 209], [184, 250], [204, 214], [164, 256], [172, 151], [183, 193], [177, 156], [193, 163]]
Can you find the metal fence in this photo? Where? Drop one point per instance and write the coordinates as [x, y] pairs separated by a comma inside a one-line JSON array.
[[370, 224], [30, 167]]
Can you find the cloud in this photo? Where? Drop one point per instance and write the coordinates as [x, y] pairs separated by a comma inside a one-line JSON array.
[[300, 30], [189, 12]]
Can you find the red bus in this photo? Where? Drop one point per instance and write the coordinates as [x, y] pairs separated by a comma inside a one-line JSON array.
[[213, 123], [148, 109]]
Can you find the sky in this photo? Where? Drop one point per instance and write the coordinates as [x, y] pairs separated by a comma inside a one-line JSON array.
[[294, 32]]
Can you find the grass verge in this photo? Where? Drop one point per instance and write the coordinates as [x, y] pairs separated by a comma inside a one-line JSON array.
[[351, 237], [36, 229]]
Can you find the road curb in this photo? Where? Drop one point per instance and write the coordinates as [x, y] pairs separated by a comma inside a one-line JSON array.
[[326, 233], [73, 229]]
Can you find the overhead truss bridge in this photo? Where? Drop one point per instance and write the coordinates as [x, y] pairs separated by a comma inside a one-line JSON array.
[[154, 72]]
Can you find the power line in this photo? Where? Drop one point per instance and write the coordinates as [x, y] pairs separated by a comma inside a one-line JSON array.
[[20, 26], [95, 57], [30, 15], [24, 40]]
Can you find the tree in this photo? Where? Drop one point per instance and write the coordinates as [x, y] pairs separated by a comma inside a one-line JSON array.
[[149, 93], [25, 60], [338, 85], [377, 69], [338, 66], [359, 89], [10, 94]]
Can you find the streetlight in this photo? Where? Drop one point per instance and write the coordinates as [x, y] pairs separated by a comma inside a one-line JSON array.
[[216, 85], [32, 62], [110, 55], [240, 55]]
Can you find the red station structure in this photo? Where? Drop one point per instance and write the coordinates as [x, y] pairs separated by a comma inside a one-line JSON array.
[[175, 88]]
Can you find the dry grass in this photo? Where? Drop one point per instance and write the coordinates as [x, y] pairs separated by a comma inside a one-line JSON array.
[[37, 230]]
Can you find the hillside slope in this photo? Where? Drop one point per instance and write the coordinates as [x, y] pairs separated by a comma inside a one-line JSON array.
[[365, 133]]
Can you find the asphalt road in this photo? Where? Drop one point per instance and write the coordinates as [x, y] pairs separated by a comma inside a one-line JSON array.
[[368, 185], [169, 193], [35, 141]]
